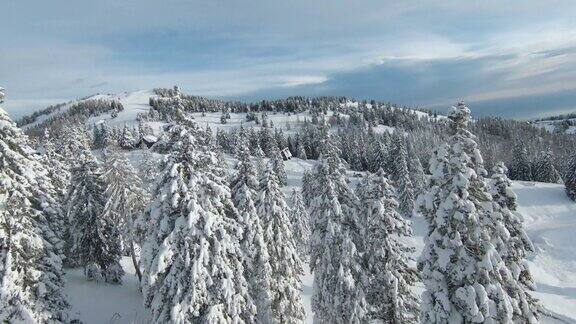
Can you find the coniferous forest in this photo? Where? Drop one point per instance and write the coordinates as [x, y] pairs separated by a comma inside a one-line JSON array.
[[280, 211]]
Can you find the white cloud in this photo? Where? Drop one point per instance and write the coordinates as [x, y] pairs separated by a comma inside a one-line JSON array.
[[61, 50]]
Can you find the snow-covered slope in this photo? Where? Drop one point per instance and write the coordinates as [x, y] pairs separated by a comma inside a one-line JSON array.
[[553, 125], [134, 103], [550, 220], [137, 102]]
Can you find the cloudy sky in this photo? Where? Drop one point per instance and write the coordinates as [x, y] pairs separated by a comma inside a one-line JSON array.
[[509, 58]]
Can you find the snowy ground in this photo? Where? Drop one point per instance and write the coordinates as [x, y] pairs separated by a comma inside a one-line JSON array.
[[98, 302], [550, 219]]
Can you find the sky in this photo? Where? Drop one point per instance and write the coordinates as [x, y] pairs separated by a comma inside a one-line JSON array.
[[508, 58]]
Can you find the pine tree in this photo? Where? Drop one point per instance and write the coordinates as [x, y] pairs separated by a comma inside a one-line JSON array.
[[416, 171], [257, 270], [286, 267], [570, 178], [401, 176], [521, 167], [334, 257], [73, 144], [267, 142], [94, 237], [300, 223], [125, 199], [100, 138], [127, 139], [278, 165], [59, 175], [148, 169], [302, 152], [307, 187], [386, 258], [31, 278], [465, 277], [513, 244], [379, 157], [544, 170], [193, 240]]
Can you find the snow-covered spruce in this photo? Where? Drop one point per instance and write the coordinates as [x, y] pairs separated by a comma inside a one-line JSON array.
[[31, 284], [521, 167], [465, 277], [73, 144], [286, 267], [570, 178], [300, 224], [401, 176], [278, 165], [94, 233], [307, 187], [191, 257], [257, 270], [334, 257], [512, 242], [267, 142], [544, 169], [148, 169], [125, 198], [54, 196], [126, 139], [416, 172], [389, 276]]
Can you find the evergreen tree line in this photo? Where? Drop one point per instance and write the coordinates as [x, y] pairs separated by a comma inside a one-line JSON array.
[[79, 112]]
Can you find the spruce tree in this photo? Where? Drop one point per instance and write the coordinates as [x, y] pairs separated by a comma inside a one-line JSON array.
[[59, 175], [73, 144], [192, 240], [127, 139], [570, 178], [386, 261], [544, 170], [31, 277], [521, 167], [334, 256], [149, 169], [301, 152], [402, 177], [267, 142], [286, 267], [465, 277], [244, 186], [379, 157], [278, 165], [125, 199], [514, 246], [94, 237], [307, 187], [416, 171], [300, 224]]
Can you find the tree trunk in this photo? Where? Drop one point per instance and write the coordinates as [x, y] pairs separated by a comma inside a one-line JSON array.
[[135, 262]]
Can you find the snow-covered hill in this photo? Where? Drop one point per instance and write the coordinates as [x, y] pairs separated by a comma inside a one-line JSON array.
[[137, 102], [565, 125], [550, 220]]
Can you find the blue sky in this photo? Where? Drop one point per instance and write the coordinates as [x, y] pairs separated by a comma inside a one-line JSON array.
[[514, 59]]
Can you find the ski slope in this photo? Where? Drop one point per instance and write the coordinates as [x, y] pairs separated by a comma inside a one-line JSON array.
[[550, 220]]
